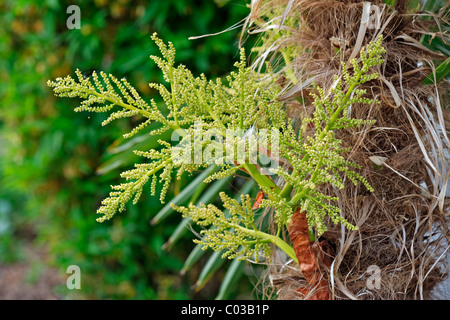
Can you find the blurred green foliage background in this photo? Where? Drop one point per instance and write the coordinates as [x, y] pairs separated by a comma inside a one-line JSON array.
[[56, 166]]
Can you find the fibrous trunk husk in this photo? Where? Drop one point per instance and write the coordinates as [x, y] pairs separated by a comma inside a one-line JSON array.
[[401, 248]]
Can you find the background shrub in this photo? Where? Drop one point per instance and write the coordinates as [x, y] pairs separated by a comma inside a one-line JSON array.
[[56, 166]]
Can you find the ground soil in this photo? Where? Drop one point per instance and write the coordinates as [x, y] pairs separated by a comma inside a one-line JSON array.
[[29, 279]]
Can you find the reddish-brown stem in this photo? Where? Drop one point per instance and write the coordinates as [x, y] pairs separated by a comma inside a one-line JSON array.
[[309, 256]]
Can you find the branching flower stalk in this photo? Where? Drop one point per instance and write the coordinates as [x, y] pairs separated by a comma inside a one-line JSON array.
[[329, 112], [239, 112]]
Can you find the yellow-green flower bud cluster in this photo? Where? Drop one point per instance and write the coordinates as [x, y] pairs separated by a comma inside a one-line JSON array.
[[199, 108], [232, 231]]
